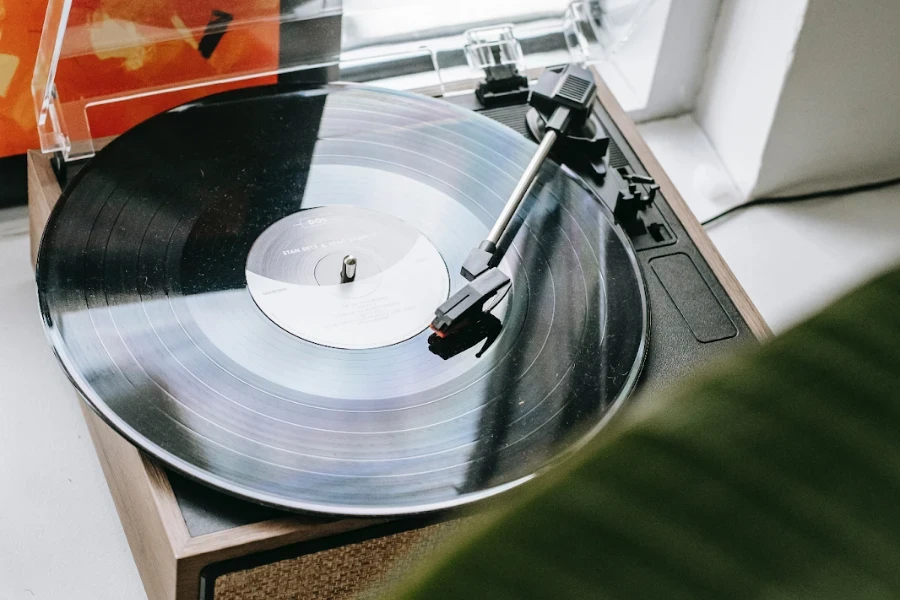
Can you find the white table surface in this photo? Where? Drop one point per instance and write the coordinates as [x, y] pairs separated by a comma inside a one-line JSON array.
[[60, 537]]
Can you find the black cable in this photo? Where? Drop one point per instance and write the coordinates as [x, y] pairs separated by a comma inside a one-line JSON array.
[[811, 196]]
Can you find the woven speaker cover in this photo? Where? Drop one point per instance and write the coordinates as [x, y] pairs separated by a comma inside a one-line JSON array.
[[356, 571]]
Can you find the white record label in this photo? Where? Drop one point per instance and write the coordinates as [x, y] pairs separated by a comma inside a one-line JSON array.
[[294, 276]]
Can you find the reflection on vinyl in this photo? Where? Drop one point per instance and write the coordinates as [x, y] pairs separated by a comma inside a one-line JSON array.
[[191, 283]]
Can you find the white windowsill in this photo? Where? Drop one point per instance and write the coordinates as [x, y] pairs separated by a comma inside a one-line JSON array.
[[792, 259]]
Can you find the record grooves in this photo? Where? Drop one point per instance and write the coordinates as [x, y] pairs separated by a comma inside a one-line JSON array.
[[305, 393]]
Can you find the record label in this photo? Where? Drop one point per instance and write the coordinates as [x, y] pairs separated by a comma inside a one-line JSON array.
[[294, 276]]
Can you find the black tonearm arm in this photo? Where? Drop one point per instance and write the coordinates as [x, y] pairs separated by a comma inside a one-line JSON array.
[[564, 97]]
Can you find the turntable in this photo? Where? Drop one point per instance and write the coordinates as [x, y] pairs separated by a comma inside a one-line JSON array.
[[316, 326]]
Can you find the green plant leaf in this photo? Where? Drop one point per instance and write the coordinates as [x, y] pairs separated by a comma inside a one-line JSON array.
[[774, 475]]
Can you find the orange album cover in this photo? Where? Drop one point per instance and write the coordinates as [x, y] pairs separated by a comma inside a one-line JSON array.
[[20, 34], [116, 46]]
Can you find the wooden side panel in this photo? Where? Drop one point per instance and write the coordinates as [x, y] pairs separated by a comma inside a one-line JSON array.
[[43, 191], [139, 489]]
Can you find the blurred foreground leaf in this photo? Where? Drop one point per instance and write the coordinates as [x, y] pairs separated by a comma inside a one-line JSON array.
[[776, 475]]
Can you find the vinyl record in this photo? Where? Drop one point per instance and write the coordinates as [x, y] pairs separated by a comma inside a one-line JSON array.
[[190, 283]]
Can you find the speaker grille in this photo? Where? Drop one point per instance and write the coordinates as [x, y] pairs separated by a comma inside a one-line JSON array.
[[359, 571]]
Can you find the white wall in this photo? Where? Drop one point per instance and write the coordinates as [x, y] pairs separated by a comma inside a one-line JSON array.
[[681, 58], [803, 96], [752, 50], [838, 121]]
